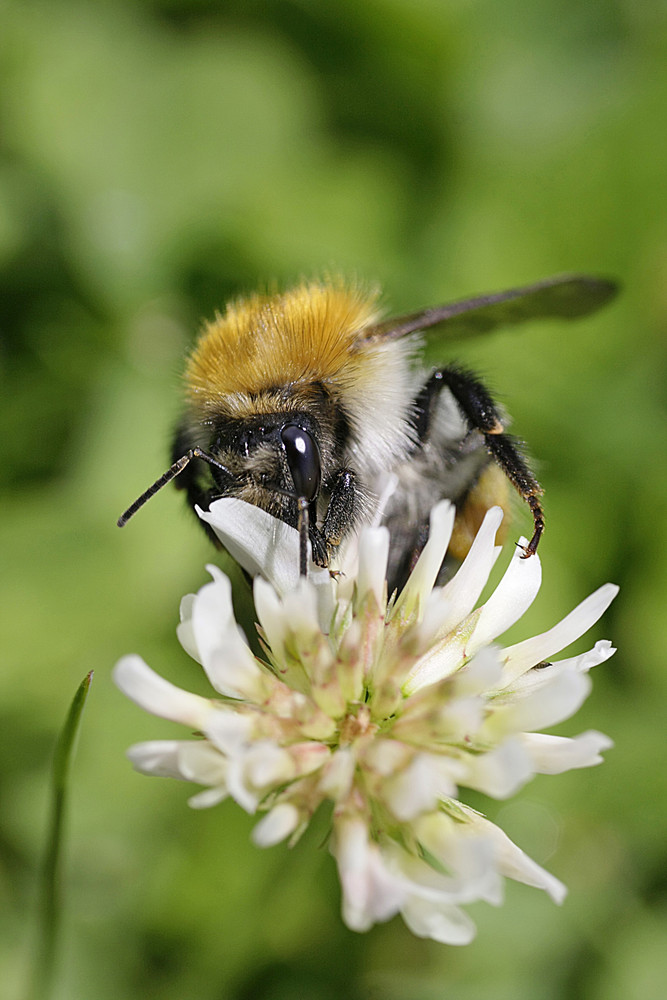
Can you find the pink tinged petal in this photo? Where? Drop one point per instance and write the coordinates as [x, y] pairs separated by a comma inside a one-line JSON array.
[[512, 597], [500, 772], [158, 696], [370, 892], [463, 590], [527, 654], [421, 580], [441, 922], [514, 864], [556, 754], [555, 700], [266, 546], [276, 825], [372, 572]]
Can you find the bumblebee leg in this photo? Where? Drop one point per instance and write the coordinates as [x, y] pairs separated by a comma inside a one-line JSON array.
[[481, 413], [345, 506]]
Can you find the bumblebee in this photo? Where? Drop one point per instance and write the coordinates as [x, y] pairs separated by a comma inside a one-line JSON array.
[[302, 403]]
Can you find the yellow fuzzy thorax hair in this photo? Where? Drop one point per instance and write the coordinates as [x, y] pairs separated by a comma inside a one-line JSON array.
[[266, 342]]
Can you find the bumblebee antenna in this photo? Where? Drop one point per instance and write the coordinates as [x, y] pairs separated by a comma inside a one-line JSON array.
[[166, 478]]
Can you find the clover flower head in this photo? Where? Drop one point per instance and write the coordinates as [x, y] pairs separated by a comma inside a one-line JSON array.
[[385, 706]]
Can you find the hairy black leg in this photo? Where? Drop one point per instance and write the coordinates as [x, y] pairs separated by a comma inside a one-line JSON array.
[[479, 409], [345, 504]]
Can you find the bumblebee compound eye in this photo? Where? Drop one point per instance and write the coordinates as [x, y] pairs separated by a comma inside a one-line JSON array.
[[303, 459]]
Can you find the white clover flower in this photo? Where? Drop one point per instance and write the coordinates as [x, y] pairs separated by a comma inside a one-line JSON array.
[[383, 707]]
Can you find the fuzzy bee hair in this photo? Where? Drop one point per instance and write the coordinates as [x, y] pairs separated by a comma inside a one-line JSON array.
[[303, 402], [272, 354]]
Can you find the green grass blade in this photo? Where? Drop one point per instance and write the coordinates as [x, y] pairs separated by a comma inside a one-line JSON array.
[[50, 898]]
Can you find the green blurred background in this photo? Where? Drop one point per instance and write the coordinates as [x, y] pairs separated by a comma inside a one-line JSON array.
[[159, 157]]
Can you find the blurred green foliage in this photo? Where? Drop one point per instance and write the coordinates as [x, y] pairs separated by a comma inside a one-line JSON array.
[[157, 158]]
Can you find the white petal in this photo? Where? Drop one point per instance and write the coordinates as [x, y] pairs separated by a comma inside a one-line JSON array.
[[208, 798], [208, 630], [184, 629], [267, 764], [276, 825], [230, 731], [601, 651], [158, 757], [372, 572], [337, 774], [421, 580], [514, 863], [189, 760], [500, 772], [416, 789], [234, 671], [238, 787], [556, 754], [467, 857], [512, 597], [370, 892], [152, 692], [482, 673], [290, 623], [269, 609], [441, 922], [459, 718], [441, 661], [201, 762], [300, 608], [528, 653], [555, 700], [212, 612], [266, 546], [463, 590]]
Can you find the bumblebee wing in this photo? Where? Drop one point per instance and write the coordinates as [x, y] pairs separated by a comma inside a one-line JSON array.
[[567, 296]]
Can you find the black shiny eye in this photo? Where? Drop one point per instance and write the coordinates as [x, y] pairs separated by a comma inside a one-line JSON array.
[[303, 459]]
